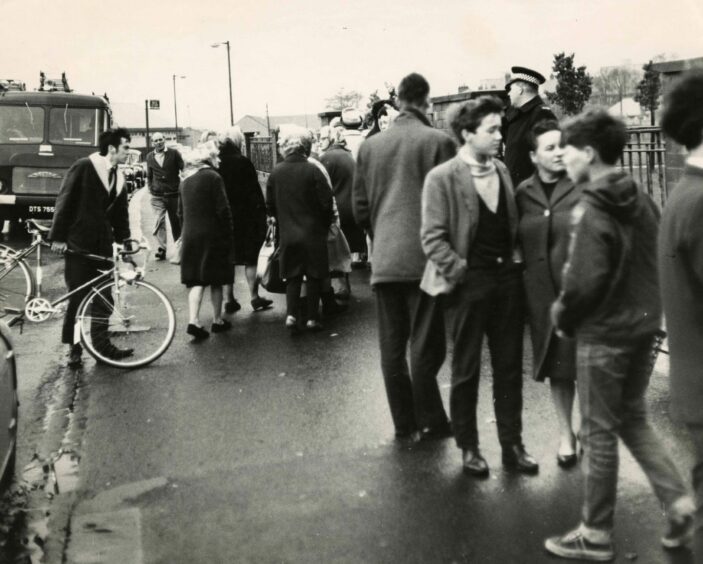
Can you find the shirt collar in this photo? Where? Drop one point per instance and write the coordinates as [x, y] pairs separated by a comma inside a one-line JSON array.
[[695, 161], [106, 160]]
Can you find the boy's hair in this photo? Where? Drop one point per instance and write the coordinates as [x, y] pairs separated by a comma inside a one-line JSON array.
[[598, 129], [112, 137], [469, 115], [682, 119], [413, 89], [540, 128]]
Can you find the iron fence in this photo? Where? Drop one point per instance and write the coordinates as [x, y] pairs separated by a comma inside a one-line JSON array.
[[644, 159]]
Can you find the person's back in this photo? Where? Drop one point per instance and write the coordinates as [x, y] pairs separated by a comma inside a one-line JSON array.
[[392, 167]]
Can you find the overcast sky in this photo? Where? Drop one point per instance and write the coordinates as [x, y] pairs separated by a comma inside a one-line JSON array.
[[294, 54]]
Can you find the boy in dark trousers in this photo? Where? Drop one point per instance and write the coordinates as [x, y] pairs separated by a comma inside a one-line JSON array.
[[610, 304]]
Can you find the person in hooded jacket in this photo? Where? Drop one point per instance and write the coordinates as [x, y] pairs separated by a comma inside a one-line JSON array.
[[609, 302]]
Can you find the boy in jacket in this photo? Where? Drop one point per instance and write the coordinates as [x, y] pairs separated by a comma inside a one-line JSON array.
[[610, 304]]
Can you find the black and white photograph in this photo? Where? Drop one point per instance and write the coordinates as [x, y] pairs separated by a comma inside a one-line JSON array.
[[335, 282]]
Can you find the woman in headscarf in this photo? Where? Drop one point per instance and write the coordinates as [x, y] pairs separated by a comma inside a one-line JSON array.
[[299, 198], [206, 236]]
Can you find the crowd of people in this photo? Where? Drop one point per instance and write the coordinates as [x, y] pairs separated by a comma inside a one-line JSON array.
[[552, 233]]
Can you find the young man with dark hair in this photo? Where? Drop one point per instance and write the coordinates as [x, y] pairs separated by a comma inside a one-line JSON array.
[[469, 234], [609, 302], [390, 169], [526, 109], [163, 166], [681, 274], [91, 213]]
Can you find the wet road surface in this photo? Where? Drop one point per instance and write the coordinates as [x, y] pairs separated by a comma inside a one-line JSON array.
[[253, 446]]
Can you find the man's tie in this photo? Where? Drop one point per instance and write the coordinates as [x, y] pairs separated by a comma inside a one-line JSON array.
[[112, 181]]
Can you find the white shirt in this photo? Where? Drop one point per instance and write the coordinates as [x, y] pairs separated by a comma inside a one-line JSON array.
[[108, 166], [160, 157], [695, 161]]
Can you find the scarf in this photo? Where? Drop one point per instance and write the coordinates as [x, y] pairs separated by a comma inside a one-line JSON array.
[[485, 177]]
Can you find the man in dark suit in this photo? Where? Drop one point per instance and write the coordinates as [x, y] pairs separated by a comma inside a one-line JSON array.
[[390, 170], [91, 213], [681, 276], [526, 109], [162, 168]]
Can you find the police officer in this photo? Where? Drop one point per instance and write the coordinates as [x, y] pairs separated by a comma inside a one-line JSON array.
[[526, 109]]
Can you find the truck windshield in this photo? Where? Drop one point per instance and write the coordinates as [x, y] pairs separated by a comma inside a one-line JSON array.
[[75, 126], [21, 124]]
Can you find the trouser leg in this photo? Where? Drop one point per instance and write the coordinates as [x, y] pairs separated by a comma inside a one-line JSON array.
[[293, 287], [601, 371], [313, 298], [77, 272], [393, 333], [159, 208], [696, 432], [638, 434], [171, 204], [504, 328], [467, 322], [427, 353]]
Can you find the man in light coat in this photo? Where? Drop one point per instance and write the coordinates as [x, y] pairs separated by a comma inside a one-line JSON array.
[[469, 234], [390, 170]]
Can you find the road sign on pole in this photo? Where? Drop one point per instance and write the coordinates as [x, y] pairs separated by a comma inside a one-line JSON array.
[[154, 105]]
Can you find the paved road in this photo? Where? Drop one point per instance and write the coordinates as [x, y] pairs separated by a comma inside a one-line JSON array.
[[256, 447]]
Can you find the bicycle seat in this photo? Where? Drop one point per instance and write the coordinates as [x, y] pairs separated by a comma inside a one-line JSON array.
[[34, 224]]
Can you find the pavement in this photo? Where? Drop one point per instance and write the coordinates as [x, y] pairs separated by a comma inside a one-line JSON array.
[[256, 447]]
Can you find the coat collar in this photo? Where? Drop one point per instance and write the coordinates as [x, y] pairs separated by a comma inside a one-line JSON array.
[[101, 168], [411, 114], [533, 188], [337, 147], [513, 113]]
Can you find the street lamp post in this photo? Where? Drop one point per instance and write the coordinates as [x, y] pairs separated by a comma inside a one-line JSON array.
[[229, 74], [175, 105]]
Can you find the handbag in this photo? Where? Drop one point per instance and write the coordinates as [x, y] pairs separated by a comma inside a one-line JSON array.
[[338, 253], [268, 269]]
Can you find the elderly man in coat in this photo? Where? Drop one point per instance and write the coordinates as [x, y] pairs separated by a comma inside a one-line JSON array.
[[469, 234], [390, 170], [681, 275]]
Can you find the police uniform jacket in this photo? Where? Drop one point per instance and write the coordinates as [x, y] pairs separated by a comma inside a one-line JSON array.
[[516, 130]]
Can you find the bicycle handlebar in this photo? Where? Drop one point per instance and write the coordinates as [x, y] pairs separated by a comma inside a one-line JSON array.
[[120, 249]]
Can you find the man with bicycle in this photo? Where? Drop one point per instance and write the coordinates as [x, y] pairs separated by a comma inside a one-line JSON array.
[[91, 213]]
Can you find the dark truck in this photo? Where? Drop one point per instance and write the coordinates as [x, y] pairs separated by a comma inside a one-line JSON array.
[[42, 134]]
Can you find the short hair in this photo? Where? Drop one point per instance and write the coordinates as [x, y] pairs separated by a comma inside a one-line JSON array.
[[682, 118], [294, 139], [112, 137], [598, 129], [157, 133], [468, 115], [205, 135], [413, 89], [233, 134], [202, 153], [540, 128], [529, 86]]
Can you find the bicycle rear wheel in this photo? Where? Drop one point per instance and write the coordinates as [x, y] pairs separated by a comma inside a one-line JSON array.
[[132, 316], [16, 283]]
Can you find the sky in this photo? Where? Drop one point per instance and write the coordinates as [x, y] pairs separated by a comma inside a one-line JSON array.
[[293, 54]]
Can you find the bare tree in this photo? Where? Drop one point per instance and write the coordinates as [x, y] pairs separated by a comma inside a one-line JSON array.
[[612, 84], [344, 99]]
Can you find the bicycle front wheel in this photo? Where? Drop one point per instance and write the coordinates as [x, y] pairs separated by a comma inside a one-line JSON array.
[[16, 283], [128, 317]]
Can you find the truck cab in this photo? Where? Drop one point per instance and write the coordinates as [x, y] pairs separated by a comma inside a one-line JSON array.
[[42, 134]]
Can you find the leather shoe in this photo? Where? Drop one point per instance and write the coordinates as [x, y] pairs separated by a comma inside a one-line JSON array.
[[221, 327], [407, 438], [260, 304], [517, 458], [437, 433], [232, 307], [198, 332], [473, 463], [567, 460], [74, 356]]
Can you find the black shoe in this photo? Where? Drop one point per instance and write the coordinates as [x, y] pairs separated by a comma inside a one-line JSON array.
[[473, 463], [160, 254], [313, 325], [517, 458], [567, 461], [437, 433], [232, 307], [198, 332], [74, 356], [115, 353], [260, 304], [407, 438], [221, 327]]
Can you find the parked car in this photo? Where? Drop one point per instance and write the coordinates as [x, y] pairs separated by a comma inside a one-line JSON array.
[[134, 171], [8, 405]]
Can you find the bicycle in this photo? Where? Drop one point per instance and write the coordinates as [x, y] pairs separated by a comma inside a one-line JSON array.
[[120, 309]]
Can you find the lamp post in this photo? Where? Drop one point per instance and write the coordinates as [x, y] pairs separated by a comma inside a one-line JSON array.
[[229, 74], [175, 105]]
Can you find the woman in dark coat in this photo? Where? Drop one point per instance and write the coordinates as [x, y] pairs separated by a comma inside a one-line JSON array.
[[206, 236], [246, 200], [544, 202], [299, 198]]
